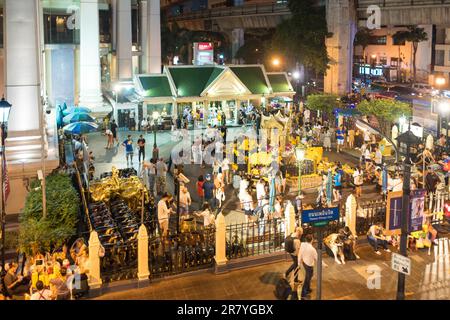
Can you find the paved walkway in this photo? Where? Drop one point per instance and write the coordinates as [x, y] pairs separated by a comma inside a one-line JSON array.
[[429, 279]]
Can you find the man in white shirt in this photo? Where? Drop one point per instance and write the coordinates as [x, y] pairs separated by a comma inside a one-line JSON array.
[[260, 191], [151, 171], [358, 180], [161, 171], [247, 205], [367, 137], [164, 214], [185, 200], [307, 257], [378, 157], [226, 170]]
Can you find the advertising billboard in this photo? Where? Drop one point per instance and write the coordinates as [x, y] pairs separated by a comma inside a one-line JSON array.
[[203, 53]]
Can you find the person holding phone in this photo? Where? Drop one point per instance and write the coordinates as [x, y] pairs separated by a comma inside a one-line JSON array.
[[15, 285]]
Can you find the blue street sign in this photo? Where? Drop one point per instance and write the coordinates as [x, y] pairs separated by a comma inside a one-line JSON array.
[[320, 216]]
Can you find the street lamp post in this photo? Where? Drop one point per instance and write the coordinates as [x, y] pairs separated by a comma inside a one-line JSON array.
[[300, 155], [5, 108], [407, 139]]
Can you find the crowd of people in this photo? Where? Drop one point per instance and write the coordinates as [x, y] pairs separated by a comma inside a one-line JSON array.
[[62, 275]]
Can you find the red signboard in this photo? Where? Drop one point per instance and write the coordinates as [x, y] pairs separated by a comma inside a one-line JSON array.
[[205, 46]]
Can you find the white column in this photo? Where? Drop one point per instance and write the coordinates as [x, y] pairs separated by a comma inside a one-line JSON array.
[[22, 74], [124, 40], [90, 81], [114, 24], [153, 37], [341, 18], [237, 42], [95, 280], [143, 270], [144, 37]]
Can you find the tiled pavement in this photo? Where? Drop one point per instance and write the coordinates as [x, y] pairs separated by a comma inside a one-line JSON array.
[[429, 279]]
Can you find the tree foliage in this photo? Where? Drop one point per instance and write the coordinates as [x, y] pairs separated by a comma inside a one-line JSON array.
[[37, 233], [302, 37], [386, 111], [325, 103], [415, 35]]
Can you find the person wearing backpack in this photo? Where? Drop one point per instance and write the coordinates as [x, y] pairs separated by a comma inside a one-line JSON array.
[[292, 246]]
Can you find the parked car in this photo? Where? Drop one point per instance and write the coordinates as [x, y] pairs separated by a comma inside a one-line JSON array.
[[403, 90], [385, 95], [423, 89]]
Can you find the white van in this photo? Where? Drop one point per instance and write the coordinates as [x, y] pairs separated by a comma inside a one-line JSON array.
[[423, 89]]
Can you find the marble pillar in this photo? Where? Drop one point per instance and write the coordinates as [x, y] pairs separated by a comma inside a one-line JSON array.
[[90, 78], [22, 76], [124, 40], [144, 37], [341, 18], [238, 41], [114, 24], [153, 52]]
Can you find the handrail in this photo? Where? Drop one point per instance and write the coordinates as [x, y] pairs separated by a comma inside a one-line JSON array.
[[363, 4], [83, 197]]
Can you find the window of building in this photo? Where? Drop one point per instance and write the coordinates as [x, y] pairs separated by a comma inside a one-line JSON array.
[[440, 55], [378, 40], [397, 42], [383, 61], [394, 62]]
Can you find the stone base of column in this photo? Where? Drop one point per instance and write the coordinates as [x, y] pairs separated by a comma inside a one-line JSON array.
[[142, 283], [221, 267]]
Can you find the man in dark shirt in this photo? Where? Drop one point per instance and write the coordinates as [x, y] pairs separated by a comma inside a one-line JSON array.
[[208, 188], [141, 146], [15, 285], [114, 131]]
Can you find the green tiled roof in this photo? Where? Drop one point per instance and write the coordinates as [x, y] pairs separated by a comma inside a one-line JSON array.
[[191, 82], [279, 83], [155, 86], [253, 78]]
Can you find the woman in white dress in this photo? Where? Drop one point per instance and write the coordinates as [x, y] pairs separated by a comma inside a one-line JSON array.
[[327, 140]]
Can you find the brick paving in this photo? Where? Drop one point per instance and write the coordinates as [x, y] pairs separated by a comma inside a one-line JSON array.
[[429, 279]]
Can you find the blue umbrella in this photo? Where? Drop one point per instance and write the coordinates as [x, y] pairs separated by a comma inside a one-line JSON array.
[[76, 110], [272, 193], [384, 179], [329, 187], [59, 116], [80, 127], [77, 117]]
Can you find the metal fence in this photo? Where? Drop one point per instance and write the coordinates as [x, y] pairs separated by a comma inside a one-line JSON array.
[[255, 238], [371, 212], [182, 252], [120, 262]]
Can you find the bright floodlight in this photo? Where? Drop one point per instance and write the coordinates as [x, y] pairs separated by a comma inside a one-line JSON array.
[[440, 81], [276, 62], [296, 75], [444, 107], [155, 115]]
